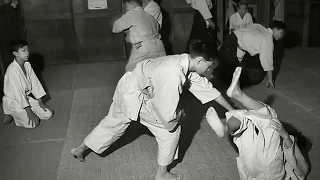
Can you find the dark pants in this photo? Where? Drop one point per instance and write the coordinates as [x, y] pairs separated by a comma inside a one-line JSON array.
[[252, 71], [200, 31]]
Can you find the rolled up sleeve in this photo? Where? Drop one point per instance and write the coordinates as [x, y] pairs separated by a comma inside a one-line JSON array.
[[202, 89], [266, 55]]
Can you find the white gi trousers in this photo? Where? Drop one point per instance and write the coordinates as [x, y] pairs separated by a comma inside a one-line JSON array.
[[113, 126], [20, 116], [149, 49]]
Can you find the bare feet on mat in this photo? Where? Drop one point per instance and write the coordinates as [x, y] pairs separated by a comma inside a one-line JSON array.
[[77, 153], [169, 176], [7, 119], [215, 122], [234, 88]]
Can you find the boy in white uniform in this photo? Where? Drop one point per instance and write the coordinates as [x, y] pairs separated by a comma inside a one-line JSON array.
[[266, 151], [150, 94], [23, 91], [153, 9], [240, 19], [142, 31]]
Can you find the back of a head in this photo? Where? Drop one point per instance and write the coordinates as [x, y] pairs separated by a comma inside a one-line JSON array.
[[136, 2], [278, 25], [15, 45], [198, 48]]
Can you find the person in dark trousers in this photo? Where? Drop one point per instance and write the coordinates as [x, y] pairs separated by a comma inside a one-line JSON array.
[[251, 48]]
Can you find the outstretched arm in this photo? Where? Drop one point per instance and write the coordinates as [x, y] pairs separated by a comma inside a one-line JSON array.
[[224, 103]]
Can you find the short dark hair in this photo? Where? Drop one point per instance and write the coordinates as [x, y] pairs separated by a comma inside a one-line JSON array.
[[137, 2], [198, 48], [15, 45], [278, 25], [242, 3]]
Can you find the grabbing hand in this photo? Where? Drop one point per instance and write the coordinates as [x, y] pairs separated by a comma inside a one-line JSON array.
[[277, 126], [210, 23]]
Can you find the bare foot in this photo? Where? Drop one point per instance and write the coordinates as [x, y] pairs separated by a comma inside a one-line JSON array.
[[77, 153], [234, 88], [7, 119], [169, 176], [215, 122]]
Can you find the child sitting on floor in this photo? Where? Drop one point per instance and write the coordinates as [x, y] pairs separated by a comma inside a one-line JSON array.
[[266, 150], [23, 91]]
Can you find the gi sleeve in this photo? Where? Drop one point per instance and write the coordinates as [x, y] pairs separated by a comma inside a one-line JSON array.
[[202, 89], [122, 23], [266, 54], [36, 86], [203, 8], [295, 159], [167, 91], [250, 21], [231, 22], [14, 81]]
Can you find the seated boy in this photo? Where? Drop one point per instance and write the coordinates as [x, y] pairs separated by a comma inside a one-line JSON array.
[[266, 151], [23, 91], [142, 31]]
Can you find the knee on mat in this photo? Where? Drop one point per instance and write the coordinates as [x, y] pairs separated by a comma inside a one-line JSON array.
[[25, 123], [46, 115]]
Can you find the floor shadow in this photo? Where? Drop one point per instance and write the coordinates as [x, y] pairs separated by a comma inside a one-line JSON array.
[[134, 131], [291, 39], [37, 62], [191, 124], [165, 30], [269, 100]]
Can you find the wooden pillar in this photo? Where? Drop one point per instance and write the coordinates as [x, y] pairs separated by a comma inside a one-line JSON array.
[[220, 21], [305, 28], [267, 13]]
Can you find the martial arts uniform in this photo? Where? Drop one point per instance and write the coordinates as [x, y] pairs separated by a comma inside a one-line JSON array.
[[229, 10], [144, 31], [279, 10], [258, 42], [150, 94], [261, 155], [200, 28], [19, 92], [237, 22], [154, 10]]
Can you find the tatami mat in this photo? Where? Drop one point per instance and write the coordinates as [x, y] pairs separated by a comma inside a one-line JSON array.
[[48, 130]]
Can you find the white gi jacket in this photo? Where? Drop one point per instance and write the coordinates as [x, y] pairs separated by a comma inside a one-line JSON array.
[[17, 86], [158, 82], [261, 155], [256, 39], [236, 22]]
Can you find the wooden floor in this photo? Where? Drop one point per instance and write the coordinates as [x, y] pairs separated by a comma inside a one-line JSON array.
[[81, 95]]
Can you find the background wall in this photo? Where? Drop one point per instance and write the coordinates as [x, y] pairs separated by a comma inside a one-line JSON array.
[[65, 31]]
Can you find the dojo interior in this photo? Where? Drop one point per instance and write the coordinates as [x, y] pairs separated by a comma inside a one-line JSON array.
[[79, 61]]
